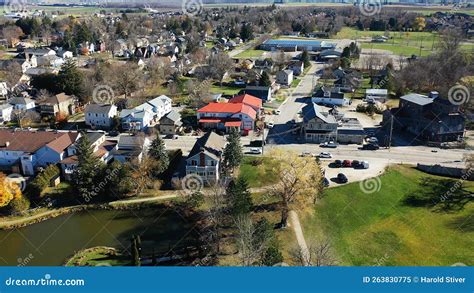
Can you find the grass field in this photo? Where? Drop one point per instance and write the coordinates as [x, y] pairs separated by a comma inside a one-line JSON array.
[[250, 53], [382, 229], [257, 175]]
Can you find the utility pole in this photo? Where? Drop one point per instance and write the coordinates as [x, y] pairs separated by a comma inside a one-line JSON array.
[[391, 131]]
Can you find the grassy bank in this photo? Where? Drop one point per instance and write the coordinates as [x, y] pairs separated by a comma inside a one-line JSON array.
[[383, 228]]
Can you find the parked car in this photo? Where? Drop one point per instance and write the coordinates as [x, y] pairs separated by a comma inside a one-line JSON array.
[[370, 147], [356, 164], [338, 163], [342, 178], [171, 136], [373, 140], [307, 154], [364, 165], [277, 112], [330, 144], [270, 125], [325, 155], [347, 163], [256, 151], [325, 182]]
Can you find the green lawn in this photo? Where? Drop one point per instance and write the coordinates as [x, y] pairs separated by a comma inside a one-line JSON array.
[[226, 90], [257, 175], [250, 53], [381, 228], [295, 82]]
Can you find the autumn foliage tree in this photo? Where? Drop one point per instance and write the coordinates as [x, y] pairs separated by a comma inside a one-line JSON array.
[[9, 191], [298, 183]]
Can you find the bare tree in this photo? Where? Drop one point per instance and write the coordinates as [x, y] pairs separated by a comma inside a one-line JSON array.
[[12, 33], [220, 64], [320, 254], [216, 215]]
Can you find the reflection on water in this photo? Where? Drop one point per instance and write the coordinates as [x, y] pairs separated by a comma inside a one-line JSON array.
[[52, 241]]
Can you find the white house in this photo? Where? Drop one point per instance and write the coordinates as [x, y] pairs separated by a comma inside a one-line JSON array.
[[25, 151], [6, 113], [100, 115], [376, 95], [284, 77], [146, 115], [130, 148], [330, 97]]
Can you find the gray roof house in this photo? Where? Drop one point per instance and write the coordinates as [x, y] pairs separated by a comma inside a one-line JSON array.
[[318, 126], [204, 160], [170, 123], [130, 148]]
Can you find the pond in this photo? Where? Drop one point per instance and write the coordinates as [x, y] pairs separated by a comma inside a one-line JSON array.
[[51, 242]]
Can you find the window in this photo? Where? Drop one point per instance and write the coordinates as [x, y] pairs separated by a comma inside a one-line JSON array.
[[194, 163]]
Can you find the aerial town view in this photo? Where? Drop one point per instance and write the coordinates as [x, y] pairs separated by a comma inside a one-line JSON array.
[[198, 133]]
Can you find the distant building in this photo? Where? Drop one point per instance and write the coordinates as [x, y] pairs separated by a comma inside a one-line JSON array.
[[58, 105], [376, 95], [6, 113], [205, 157], [262, 92], [318, 127], [330, 96], [130, 148], [430, 118], [297, 67], [171, 123], [146, 115], [100, 116], [296, 45], [284, 77], [22, 104]]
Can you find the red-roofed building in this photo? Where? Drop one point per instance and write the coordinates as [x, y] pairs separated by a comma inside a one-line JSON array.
[[224, 116], [248, 100]]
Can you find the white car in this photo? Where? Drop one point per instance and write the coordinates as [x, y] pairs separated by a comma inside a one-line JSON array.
[[270, 125], [256, 151], [277, 112], [325, 155]]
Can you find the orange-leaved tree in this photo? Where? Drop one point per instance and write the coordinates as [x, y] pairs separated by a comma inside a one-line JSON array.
[[9, 190]]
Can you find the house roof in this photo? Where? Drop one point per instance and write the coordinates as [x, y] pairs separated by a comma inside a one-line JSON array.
[[56, 99], [131, 142], [231, 108], [173, 116], [98, 108], [247, 99], [418, 99], [312, 111], [20, 101], [30, 141], [211, 143], [233, 124]]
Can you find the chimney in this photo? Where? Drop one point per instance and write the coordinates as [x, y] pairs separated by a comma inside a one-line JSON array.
[[7, 144]]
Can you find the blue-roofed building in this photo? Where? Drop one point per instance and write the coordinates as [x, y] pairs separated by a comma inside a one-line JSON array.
[[293, 45]]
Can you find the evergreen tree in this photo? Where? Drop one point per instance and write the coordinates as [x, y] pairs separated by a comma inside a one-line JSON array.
[[246, 32], [158, 153], [233, 153], [87, 171], [272, 256], [346, 52], [305, 59], [70, 79], [119, 181], [265, 79], [240, 197], [135, 252]]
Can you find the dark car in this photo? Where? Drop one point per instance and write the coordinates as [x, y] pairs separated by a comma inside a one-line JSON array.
[[355, 164], [341, 178], [171, 136], [325, 182], [347, 164], [370, 147], [338, 163]]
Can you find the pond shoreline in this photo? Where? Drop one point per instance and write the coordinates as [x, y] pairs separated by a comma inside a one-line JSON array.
[[126, 204]]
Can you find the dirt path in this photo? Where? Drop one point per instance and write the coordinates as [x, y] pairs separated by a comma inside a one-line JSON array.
[[295, 223]]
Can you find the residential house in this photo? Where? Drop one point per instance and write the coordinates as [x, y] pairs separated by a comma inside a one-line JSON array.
[[266, 64], [329, 96], [249, 100], [58, 105], [22, 104], [101, 148], [4, 89], [205, 157], [318, 126], [146, 115], [247, 64], [297, 67], [376, 95], [39, 52], [100, 116], [25, 151], [284, 77], [131, 148], [262, 92], [225, 116], [50, 61], [171, 123], [350, 131], [430, 118], [6, 111], [25, 63]]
